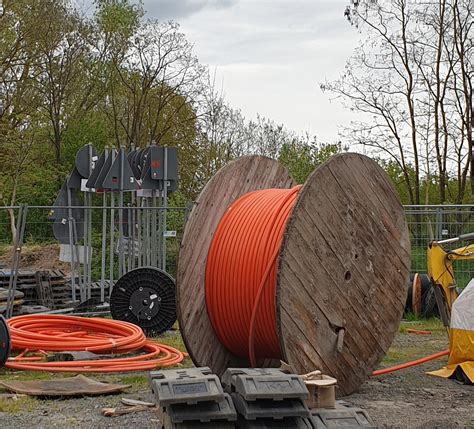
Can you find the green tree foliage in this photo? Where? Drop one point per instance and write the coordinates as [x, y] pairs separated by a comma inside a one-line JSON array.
[[118, 20], [116, 78], [90, 128], [397, 175], [301, 157]]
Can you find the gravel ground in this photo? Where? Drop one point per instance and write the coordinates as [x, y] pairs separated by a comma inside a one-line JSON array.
[[405, 399], [413, 399]]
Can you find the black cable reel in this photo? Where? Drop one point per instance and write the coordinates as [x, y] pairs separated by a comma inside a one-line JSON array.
[[5, 343], [145, 297]]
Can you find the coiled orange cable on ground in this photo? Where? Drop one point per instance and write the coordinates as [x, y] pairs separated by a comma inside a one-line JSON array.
[[44, 333], [241, 272]]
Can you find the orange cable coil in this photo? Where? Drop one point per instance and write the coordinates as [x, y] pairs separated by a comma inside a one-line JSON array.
[[46, 333], [241, 271]]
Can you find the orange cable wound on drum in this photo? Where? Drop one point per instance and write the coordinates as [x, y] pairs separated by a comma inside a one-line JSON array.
[[241, 272]]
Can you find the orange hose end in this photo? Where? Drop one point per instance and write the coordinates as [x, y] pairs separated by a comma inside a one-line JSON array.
[[418, 332], [47, 333]]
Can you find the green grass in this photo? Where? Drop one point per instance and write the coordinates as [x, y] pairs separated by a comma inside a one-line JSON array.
[[398, 355], [136, 380], [412, 322], [5, 249], [18, 404], [418, 259], [411, 317], [174, 339], [405, 350], [7, 374]]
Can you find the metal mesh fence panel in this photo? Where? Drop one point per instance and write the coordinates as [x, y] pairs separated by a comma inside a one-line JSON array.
[[428, 223], [109, 242], [85, 249]]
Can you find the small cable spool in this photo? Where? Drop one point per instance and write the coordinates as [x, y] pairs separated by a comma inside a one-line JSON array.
[[146, 297], [341, 268]]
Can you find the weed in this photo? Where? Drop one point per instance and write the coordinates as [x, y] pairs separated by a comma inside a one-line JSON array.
[[20, 404]]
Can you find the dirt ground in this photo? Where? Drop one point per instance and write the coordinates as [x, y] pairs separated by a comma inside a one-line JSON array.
[[35, 258], [411, 398], [405, 399]]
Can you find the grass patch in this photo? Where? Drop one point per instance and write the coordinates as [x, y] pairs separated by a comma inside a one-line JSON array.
[[7, 374], [398, 355], [411, 322], [174, 339], [20, 404], [408, 347], [138, 381], [5, 249]]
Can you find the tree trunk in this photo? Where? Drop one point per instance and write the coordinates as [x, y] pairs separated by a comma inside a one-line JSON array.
[[11, 212]]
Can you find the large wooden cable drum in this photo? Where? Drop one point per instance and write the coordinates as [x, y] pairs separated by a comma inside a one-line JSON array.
[[342, 267]]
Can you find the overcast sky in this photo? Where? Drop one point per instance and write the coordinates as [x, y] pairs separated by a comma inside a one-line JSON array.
[[270, 55]]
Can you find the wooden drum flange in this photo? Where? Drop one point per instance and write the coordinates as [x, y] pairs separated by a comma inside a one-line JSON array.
[[246, 174], [342, 273]]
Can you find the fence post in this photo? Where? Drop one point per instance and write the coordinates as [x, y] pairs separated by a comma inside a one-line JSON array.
[[18, 243], [439, 223]]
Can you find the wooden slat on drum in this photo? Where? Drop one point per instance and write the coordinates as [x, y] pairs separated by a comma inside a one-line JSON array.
[[344, 263]]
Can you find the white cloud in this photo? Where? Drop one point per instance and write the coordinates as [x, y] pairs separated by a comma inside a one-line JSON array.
[[270, 55], [178, 9]]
